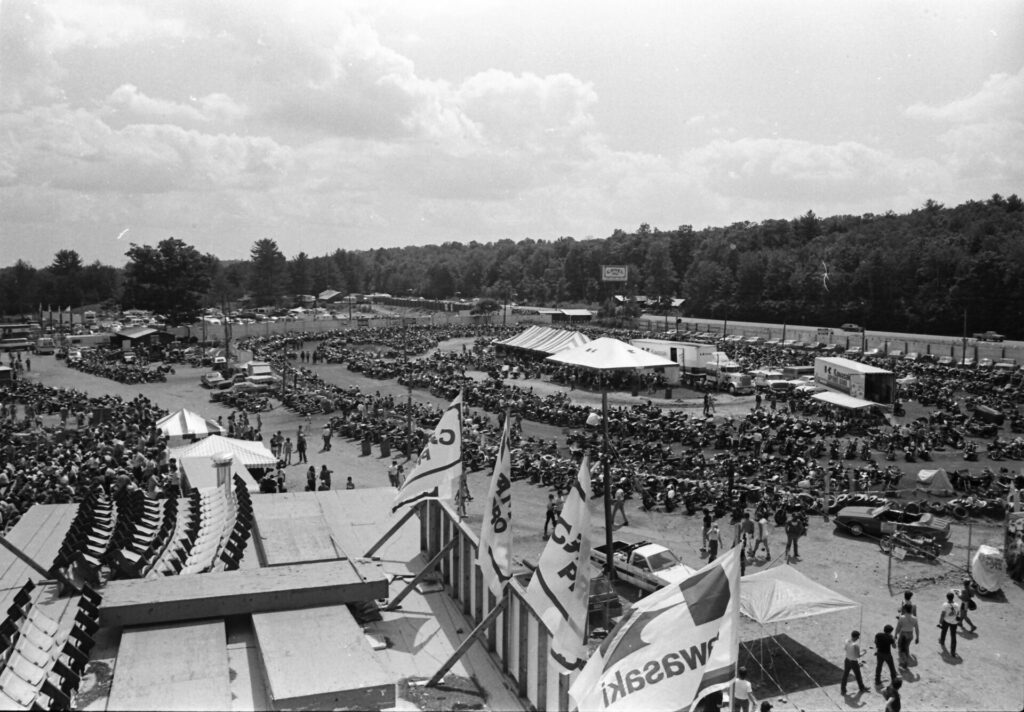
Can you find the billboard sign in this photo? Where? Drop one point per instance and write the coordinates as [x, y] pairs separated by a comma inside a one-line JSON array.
[[614, 273]]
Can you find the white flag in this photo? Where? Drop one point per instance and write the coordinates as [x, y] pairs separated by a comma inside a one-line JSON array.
[[494, 554], [437, 473], [560, 588], [670, 649]]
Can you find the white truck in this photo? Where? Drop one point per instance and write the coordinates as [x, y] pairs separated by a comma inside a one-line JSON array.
[[724, 374], [261, 373], [643, 564], [690, 358], [857, 379]]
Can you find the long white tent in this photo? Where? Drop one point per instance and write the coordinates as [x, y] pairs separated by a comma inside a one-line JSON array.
[[545, 339], [247, 452]]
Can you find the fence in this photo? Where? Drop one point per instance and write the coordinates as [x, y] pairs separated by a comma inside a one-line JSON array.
[[518, 640]]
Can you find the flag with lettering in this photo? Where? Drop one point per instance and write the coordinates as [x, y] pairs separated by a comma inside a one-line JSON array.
[[494, 555], [671, 648], [436, 474], [560, 588]]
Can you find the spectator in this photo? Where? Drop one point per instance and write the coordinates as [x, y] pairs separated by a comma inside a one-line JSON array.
[[852, 663]]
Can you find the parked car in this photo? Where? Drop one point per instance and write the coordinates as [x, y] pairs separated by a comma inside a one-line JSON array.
[[873, 353], [912, 356], [946, 361], [967, 362], [853, 351], [896, 353], [986, 363], [878, 521], [211, 379], [236, 389], [848, 326]]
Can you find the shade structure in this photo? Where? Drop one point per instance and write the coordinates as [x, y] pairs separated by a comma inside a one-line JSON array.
[[186, 424], [782, 593], [934, 481], [202, 474], [247, 452], [607, 354], [544, 339], [842, 400]]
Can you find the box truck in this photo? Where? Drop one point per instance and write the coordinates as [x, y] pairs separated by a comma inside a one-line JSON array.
[[856, 379], [689, 357]]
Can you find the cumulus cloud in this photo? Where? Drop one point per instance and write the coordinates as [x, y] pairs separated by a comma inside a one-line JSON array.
[[213, 107], [1000, 95]]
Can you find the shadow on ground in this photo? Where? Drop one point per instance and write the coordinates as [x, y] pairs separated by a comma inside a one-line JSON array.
[[777, 664]]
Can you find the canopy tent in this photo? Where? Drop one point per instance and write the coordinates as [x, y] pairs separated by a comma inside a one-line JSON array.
[[544, 339], [842, 400], [607, 354], [934, 481], [247, 452], [186, 424], [200, 473], [782, 593]]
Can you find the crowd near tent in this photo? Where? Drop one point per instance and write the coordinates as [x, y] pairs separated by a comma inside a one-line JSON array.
[[544, 340], [187, 425], [934, 482]]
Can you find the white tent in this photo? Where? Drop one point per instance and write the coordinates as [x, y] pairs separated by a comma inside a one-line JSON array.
[[606, 354], [202, 474], [782, 593], [934, 482], [544, 339], [247, 452], [186, 425]]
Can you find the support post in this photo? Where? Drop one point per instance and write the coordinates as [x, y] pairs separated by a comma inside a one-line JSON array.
[[468, 642], [390, 532], [393, 603], [970, 539], [609, 560], [36, 567]]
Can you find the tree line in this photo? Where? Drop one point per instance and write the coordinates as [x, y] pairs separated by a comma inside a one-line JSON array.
[[922, 271]]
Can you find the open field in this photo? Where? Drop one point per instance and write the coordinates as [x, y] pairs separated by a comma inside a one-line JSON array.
[[802, 661]]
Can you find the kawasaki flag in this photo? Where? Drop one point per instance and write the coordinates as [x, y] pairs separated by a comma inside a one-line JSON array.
[[494, 555], [437, 473]]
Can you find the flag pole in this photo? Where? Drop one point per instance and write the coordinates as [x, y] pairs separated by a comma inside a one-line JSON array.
[[468, 642]]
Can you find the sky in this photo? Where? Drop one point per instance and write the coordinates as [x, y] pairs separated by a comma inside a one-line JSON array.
[[357, 125]]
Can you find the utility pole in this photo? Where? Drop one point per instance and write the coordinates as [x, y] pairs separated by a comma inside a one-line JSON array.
[[408, 380], [963, 356]]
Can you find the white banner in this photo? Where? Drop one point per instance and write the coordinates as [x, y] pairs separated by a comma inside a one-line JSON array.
[[437, 473], [494, 555], [560, 588], [670, 649]]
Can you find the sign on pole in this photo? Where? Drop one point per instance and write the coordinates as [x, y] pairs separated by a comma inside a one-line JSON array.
[[614, 273]]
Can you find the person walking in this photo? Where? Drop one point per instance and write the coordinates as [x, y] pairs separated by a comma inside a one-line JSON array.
[[327, 432], [393, 474], [287, 451], [746, 532], [893, 701], [949, 619], [714, 541], [907, 631], [762, 538], [300, 448], [907, 596], [619, 505], [884, 643], [549, 515], [852, 663], [967, 605], [311, 479]]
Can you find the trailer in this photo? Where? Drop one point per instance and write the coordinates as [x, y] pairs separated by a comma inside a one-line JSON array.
[[688, 356], [856, 379]]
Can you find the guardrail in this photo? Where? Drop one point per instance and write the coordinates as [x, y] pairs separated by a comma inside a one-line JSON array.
[[517, 640]]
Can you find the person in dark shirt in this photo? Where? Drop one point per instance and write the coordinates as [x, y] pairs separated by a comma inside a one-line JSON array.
[[884, 643], [893, 701]]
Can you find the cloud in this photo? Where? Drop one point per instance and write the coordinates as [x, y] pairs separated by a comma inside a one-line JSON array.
[[129, 99], [1001, 95]]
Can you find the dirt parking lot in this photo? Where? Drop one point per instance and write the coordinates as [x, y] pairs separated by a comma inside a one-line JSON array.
[[797, 665]]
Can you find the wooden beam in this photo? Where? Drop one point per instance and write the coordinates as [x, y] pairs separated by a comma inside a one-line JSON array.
[[393, 603], [168, 599], [391, 532], [36, 567], [467, 643]]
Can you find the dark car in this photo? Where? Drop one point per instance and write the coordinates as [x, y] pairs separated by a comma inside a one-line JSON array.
[[851, 327], [879, 521], [238, 388]]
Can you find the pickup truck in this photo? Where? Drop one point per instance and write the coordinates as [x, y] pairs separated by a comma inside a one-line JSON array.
[[989, 336], [645, 565]]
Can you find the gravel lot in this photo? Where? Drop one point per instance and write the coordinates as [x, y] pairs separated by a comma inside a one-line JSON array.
[[797, 665]]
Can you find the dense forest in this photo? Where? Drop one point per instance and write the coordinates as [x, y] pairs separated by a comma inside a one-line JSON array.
[[920, 272]]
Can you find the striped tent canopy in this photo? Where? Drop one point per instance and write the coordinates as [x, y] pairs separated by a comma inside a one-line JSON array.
[[186, 424], [544, 339]]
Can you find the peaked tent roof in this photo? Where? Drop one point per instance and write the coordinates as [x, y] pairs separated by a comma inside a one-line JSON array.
[[934, 481], [137, 332], [545, 340], [185, 423], [782, 593], [606, 354], [248, 452], [202, 473], [842, 400]]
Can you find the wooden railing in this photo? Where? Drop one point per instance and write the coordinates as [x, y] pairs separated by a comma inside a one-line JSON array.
[[518, 639]]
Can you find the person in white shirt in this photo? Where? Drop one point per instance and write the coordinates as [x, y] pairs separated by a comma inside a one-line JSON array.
[[762, 538], [742, 692], [852, 663], [949, 619]]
